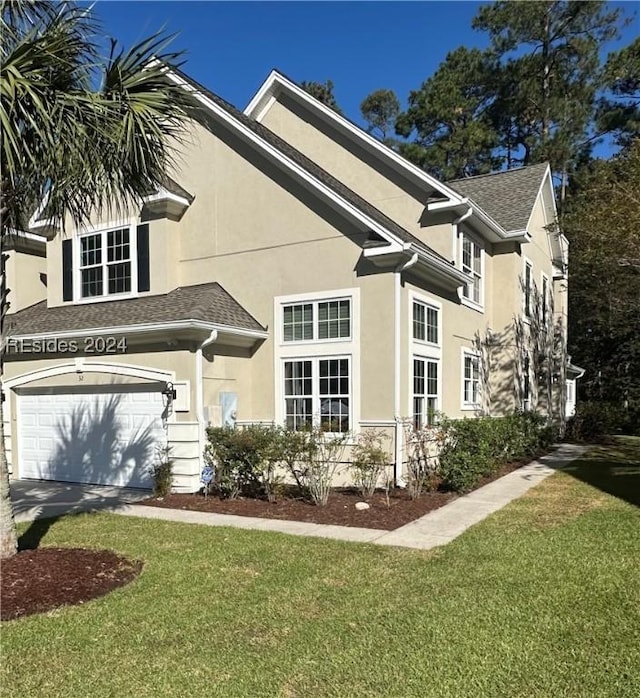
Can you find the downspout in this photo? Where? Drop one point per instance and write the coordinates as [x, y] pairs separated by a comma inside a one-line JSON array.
[[200, 394], [397, 345], [454, 227]]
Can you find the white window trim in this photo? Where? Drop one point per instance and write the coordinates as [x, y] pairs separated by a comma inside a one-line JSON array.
[[313, 298], [470, 406], [315, 387], [103, 228], [469, 302], [527, 262], [424, 357], [421, 349], [423, 345], [348, 348], [545, 302]]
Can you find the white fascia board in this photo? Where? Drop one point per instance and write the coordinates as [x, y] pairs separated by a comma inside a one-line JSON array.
[[280, 157], [431, 261], [546, 177], [164, 195], [118, 330], [277, 81]]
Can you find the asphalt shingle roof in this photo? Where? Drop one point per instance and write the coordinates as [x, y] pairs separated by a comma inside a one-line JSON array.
[[205, 302], [508, 197]]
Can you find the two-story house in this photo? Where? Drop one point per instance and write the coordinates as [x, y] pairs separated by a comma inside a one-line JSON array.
[[294, 270]]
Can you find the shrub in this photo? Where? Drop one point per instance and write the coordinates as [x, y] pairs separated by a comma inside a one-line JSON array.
[[293, 455], [162, 472], [475, 448], [423, 448], [593, 420], [242, 460], [369, 460], [325, 453]]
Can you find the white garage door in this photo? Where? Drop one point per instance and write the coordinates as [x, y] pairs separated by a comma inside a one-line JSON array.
[[106, 438]]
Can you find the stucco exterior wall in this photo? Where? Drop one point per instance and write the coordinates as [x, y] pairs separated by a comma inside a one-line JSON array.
[[27, 281]]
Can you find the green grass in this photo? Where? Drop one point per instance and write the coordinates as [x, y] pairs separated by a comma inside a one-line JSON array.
[[541, 599]]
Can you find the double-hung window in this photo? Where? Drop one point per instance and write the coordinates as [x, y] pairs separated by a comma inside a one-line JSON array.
[[106, 263], [426, 354], [425, 392], [544, 302], [471, 263], [471, 385], [528, 289], [425, 322], [316, 351]]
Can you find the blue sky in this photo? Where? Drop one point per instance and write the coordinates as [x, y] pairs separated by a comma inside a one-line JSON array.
[[361, 46]]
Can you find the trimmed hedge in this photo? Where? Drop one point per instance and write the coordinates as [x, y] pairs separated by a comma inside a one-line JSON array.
[[476, 448]]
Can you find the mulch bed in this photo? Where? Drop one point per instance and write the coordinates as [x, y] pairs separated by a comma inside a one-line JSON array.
[[340, 509], [37, 581]]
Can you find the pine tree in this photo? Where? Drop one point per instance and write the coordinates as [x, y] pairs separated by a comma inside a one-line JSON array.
[[548, 52], [323, 92], [449, 118], [380, 110]]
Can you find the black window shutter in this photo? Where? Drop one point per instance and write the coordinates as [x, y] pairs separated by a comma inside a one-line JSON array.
[[143, 258], [67, 270]]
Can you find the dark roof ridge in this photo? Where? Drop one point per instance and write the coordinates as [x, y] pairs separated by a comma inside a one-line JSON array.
[[501, 172]]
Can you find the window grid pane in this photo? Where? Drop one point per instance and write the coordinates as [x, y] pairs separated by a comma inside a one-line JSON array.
[[334, 395], [90, 250], [119, 277], [425, 392], [118, 245], [472, 266], [91, 282], [298, 394], [419, 321], [298, 322], [334, 319], [471, 384]]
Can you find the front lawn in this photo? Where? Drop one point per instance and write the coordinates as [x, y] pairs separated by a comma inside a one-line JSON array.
[[541, 599]]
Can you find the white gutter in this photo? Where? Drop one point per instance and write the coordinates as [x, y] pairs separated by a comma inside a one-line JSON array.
[[141, 329], [397, 346], [200, 394]]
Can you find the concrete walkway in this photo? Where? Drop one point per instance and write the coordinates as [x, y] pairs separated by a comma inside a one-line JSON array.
[[436, 528]]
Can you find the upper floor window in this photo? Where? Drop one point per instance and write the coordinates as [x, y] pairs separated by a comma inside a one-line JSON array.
[[425, 322], [544, 301], [318, 320], [472, 264], [106, 263], [528, 288]]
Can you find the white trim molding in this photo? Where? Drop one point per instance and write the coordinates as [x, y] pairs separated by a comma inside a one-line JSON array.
[[82, 366], [466, 406], [316, 350]]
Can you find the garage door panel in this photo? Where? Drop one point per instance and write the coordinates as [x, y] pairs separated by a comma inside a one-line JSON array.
[[102, 438]]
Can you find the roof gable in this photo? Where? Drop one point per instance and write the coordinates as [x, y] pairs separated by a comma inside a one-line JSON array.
[[318, 179], [509, 196], [277, 82]]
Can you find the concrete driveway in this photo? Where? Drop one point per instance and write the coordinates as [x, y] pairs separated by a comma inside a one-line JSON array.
[[39, 499]]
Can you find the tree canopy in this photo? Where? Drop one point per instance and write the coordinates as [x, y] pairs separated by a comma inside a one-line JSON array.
[[80, 132], [323, 92]]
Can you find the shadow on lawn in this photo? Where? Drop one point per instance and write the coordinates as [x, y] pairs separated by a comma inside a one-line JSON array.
[[613, 468], [38, 529]]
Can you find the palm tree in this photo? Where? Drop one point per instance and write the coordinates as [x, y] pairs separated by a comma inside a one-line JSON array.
[[81, 133]]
